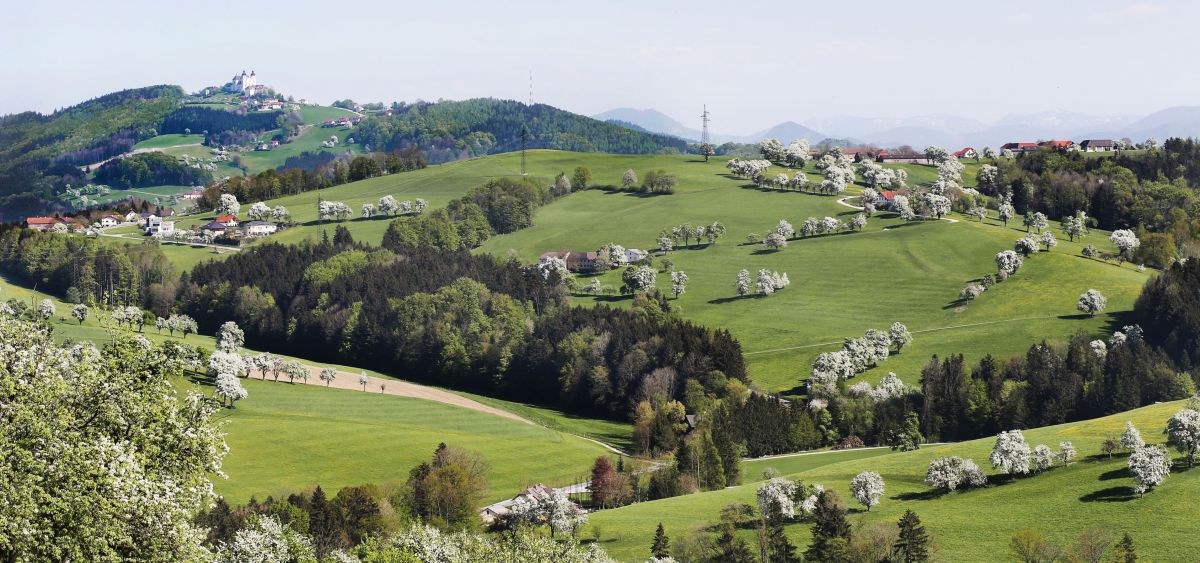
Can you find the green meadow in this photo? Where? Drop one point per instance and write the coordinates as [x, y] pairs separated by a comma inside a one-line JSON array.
[[968, 525]]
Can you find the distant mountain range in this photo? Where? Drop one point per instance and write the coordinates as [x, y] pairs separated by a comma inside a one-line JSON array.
[[943, 130]]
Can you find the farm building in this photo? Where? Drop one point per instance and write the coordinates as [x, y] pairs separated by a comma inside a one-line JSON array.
[[1066, 145], [576, 261], [110, 221], [1019, 147], [259, 228], [967, 152], [902, 157], [41, 223], [1096, 145], [214, 228], [227, 220]]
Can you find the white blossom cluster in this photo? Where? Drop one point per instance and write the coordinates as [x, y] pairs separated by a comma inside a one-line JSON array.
[[552, 508], [748, 168], [953, 472], [1010, 454], [333, 210], [75, 482], [769, 282], [867, 488], [1149, 466], [389, 205]]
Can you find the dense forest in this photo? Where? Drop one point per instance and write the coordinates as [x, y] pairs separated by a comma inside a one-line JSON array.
[[1154, 192], [452, 130], [215, 122], [41, 154], [150, 169]]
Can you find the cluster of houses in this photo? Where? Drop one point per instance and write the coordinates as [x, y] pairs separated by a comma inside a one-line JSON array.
[[160, 225], [860, 154], [345, 121], [228, 225], [586, 262], [1087, 145]]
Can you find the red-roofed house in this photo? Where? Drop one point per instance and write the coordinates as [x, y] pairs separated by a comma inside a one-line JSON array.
[[966, 153], [1057, 144], [1019, 147], [227, 220], [41, 223]]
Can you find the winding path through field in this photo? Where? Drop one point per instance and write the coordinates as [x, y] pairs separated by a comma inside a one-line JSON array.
[[347, 380]]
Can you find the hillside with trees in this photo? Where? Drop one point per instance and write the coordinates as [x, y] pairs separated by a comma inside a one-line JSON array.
[[451, 130], [41, 154]]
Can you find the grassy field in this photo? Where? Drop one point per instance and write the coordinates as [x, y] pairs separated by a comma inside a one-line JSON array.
[[971, 525], [170, 140], [841, 284], [285, 438]]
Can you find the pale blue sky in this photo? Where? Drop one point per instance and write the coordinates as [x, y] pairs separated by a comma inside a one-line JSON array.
[[753, 63]]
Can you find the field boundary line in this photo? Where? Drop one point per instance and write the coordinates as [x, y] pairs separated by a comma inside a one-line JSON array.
[[924, 330]]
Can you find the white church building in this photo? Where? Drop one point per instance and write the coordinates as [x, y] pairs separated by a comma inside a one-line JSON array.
[[245, 84]]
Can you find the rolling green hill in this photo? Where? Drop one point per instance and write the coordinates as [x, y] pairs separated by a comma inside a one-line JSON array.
[[969, 525]]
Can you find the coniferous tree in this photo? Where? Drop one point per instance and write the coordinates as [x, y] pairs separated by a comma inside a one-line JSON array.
[[1125, 552], [324, 524], [831, 531], [732, 549], [912, 546], [779, 548], [661, 547]]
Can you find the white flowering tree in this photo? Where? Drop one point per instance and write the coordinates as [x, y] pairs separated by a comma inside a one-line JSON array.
[[265, 540], [368, 210], [772, 150], [890, 387], [777, 499], [46, 309], [1126, 243], [1066, 452], [629, 179], [784, 228], [1005, 212], [363, 380], [1008, 262], [678, 283], [230, 338], [328, 375], [228, 203], [259, 212], [1041, 459], [554, 268], [229, 388], [775, 241], [1092, 302], [552, 508], [80, 312], [1183, 432], [419, 206], [953, 472], [742, 283], [1026, 245], [797, 153], [388, 205], [769, 282], [1010, 454], [1149, 467], [899, 335], [831, 367], [867, 488], [903, 208], [1075, 226], [1131, 438], [281, 214], [76, 483]]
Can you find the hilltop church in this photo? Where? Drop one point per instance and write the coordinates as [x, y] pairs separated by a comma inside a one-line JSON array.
[[245, 84]]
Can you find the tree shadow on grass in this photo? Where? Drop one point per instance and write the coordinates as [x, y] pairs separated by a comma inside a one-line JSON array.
[[1111, 494], [764, 251], [613, 298], [1077, 316], [930, 494], [723, 300], [904, 224], [1121, 473]]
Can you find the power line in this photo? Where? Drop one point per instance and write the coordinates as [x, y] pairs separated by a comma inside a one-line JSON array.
[[704, 131]]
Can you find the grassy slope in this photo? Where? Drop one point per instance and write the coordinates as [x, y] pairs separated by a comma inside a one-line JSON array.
[[285, 438], [169, 140], [841, 284], [972, 525]]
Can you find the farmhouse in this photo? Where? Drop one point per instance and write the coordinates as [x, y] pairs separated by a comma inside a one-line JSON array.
[[1065, 145], [902, 157], [133, 217], [967, 152], [259, 228], [1019, 147], [634, 255], [493, 512], [194, 194], [214, 228], [227, 220], [41, 223], [1096, 145], [110, 221], [576, 261]]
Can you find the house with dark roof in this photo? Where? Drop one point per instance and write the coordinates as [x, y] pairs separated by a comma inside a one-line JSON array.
[[1097, 145], [902, 157], [1019, 147]]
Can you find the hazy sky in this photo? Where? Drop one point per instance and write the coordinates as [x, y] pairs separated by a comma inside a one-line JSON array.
[[753, 63]]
